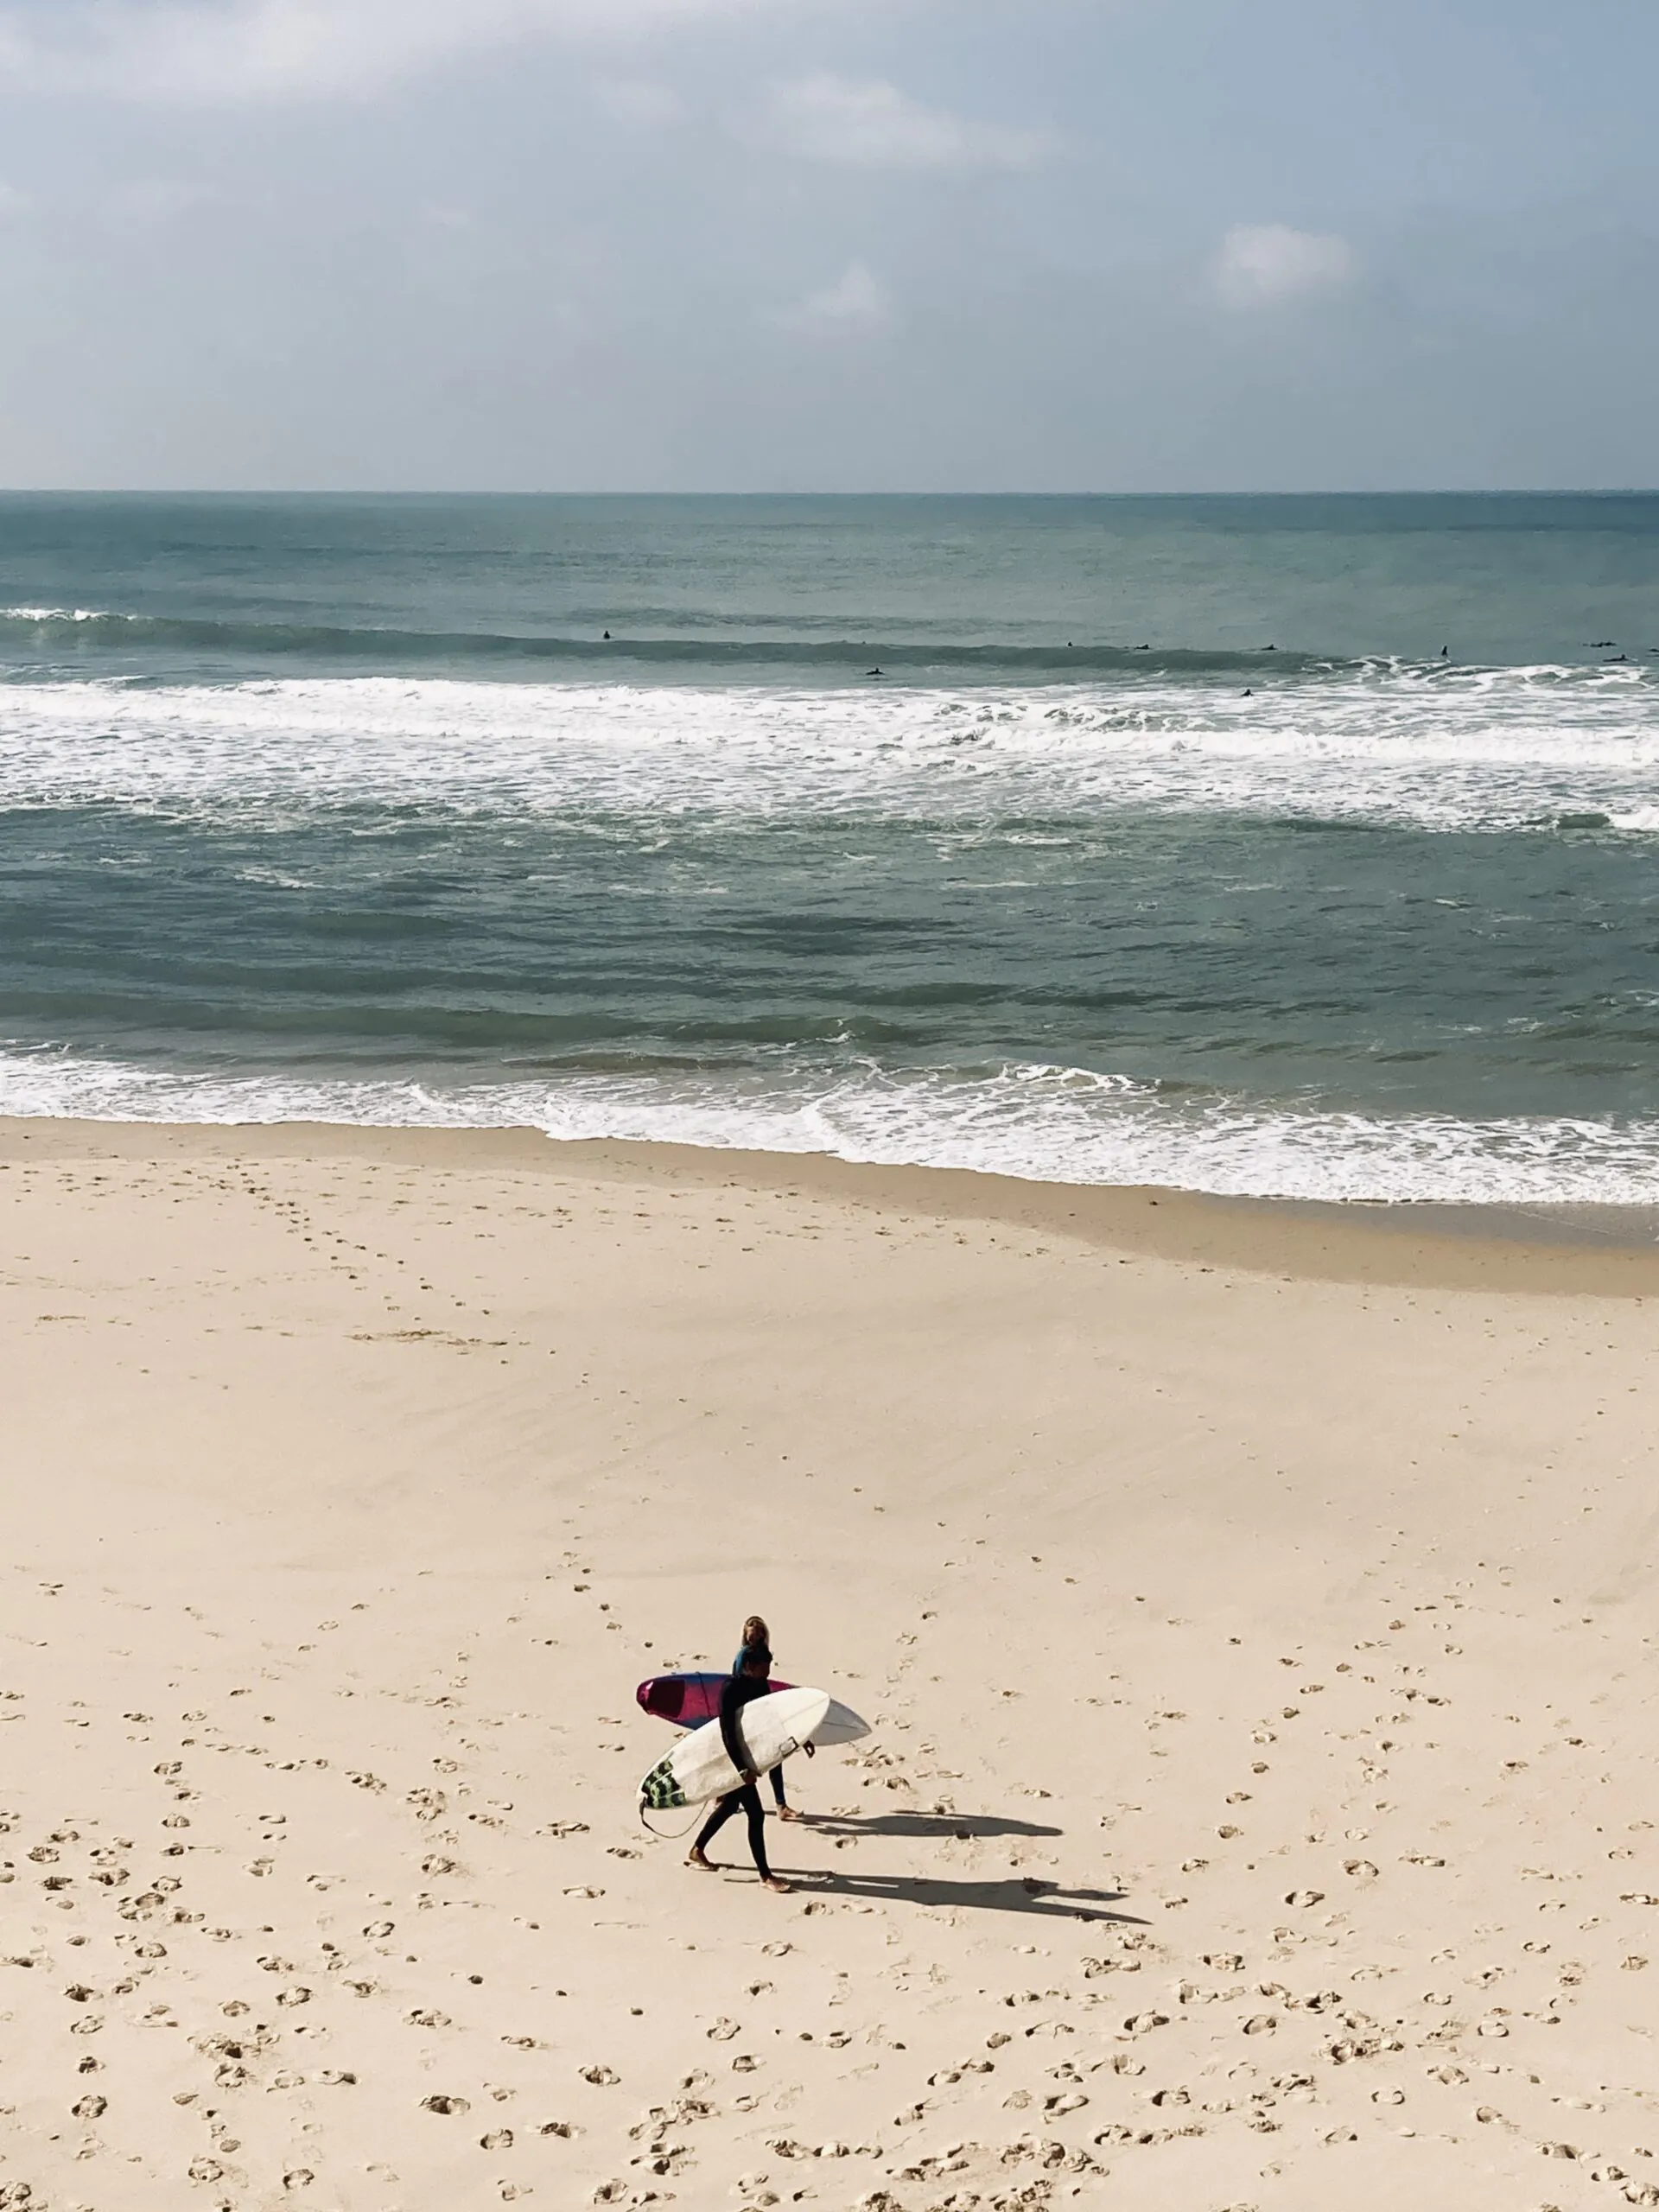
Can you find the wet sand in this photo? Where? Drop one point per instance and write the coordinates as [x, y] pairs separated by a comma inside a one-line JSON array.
[[1256, 1609]]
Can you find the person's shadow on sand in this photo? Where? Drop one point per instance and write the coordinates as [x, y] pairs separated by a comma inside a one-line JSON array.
[[960, 1827], [1019, 1894]]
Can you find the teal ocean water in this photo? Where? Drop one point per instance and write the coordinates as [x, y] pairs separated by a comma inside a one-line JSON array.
[[1296, 847]]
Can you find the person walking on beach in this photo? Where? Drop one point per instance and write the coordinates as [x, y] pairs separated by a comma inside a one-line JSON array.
[[747, 1682], [757, 1636]]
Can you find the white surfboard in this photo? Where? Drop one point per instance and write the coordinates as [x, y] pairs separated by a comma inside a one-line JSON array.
[[841, 1724], [697, 1767]]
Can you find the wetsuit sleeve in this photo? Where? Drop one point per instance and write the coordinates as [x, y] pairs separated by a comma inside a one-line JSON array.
[[733, 1699]]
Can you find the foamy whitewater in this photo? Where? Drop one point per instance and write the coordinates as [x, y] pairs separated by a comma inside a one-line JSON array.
[[1167, 847], [1440, 749]]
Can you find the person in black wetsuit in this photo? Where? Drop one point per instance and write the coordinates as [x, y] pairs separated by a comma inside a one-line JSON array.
[[740, 1689], [758, 1637]]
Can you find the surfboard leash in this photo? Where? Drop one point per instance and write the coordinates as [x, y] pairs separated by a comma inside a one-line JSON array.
[[664, 1835]]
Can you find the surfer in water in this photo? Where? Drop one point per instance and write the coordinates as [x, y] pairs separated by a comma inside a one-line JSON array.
[[757, 1636], [748, 1681]]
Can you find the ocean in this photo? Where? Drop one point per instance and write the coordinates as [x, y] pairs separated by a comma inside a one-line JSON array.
[[1288, 847]]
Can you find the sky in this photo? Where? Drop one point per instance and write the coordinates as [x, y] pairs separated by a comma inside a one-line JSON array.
[[1047, 245]]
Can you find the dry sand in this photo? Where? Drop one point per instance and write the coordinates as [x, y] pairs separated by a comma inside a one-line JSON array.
[[1256, 1614]]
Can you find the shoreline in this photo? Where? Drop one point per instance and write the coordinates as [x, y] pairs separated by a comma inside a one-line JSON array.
[[1564, 1250]]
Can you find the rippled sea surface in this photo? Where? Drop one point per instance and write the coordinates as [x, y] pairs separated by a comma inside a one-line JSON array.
[[1291, 847]]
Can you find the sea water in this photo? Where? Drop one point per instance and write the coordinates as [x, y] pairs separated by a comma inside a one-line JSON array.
[[1291, 847]]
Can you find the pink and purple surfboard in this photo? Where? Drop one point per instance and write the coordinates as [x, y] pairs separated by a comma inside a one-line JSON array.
[[686, 1699]]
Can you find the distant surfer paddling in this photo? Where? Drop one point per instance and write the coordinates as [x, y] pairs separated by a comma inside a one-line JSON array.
[[749, 1680]]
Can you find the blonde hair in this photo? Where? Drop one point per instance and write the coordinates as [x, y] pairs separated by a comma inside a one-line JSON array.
[[756, 1635]]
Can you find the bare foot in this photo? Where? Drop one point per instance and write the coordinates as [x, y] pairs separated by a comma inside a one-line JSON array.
[[695, 1858], [776, 1882], [787, 1812]]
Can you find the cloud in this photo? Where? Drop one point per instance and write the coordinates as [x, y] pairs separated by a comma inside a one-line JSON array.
[[874, 125], [856, 302], [234, 50], [145, 204], [640, 102], [1261, 264]]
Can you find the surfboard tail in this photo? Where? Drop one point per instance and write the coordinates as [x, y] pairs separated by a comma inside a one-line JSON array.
[[659, 1790]]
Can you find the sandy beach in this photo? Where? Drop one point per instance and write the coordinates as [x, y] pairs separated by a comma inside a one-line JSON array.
[[1255, 1613]]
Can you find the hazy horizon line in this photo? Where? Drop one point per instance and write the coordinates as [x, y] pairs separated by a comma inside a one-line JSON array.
[[434, 493]]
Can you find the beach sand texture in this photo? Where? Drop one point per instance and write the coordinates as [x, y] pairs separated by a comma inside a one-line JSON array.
[[1256, 1616]]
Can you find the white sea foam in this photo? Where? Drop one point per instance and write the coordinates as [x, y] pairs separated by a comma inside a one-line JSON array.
[[1044, 1124], [58, 615], [1493, 749]]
